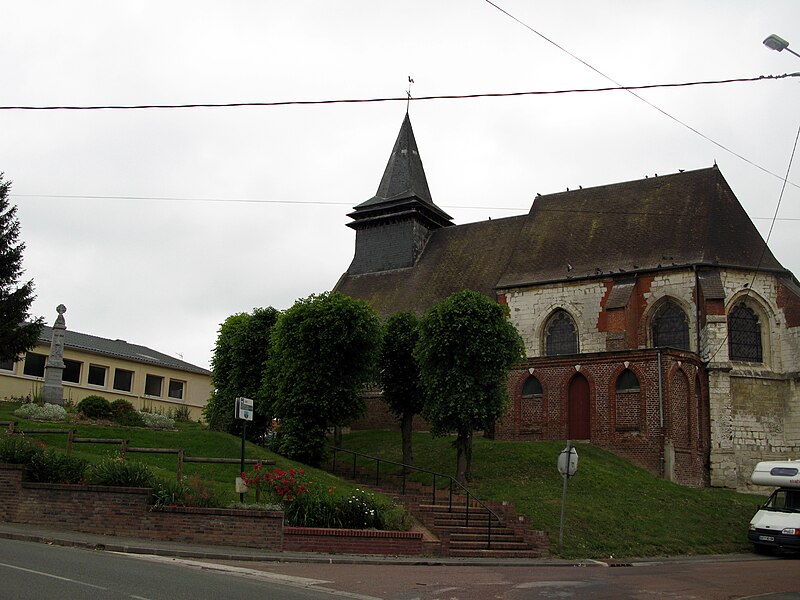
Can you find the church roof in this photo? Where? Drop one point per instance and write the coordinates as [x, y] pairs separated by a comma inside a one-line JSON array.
[[470, 256], [119, 349], [690, 218], [682, 220]]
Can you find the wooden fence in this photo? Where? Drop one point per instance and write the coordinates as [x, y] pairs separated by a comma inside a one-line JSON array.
[[125, 448]]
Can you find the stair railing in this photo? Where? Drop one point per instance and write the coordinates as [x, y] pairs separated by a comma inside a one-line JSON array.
[[404, 469]]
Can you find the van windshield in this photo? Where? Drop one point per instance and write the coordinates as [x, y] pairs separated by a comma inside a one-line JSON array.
[[784, 501]]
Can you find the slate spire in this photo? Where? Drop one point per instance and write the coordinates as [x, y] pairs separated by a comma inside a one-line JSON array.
[[394, 225]]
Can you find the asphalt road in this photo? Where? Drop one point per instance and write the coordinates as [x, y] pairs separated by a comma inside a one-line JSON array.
[[692, 579], [31, 571], [44, 572]]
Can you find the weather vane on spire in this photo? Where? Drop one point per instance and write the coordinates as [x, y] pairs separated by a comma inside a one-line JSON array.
[[408, 93]]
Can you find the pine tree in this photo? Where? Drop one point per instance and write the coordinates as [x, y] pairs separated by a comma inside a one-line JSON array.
[[17, 332]]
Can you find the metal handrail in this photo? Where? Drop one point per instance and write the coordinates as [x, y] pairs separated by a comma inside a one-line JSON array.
[[405, 468]]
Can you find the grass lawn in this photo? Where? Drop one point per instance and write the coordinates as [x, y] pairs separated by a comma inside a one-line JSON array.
[[613, 508], [195, 438]]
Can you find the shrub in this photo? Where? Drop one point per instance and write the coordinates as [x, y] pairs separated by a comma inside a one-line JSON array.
[[45, 412], [169, 492], [18, 450], [52, 466], [125, 414], [180, 413], [120, 472], [95, 407], [199, 494], [156, 421]]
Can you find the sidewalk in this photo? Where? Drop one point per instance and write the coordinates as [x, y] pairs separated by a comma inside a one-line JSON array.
[[59, 537]]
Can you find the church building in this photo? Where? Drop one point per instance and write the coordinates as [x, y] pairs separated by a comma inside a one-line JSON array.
[[657, 323]]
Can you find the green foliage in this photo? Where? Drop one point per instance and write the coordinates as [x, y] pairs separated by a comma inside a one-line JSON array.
[[324, 350], [95, 407], [237, 369], [465, 351], [18, 450], [169, 492], [156, 421], [119, 472], [18, 333], [43, 412], [358, 510], [200, 493], [400, 375], [399, 369], [53, 466], [125, 414]]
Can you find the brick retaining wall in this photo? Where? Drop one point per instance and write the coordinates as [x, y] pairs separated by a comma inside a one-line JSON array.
[[351, 541], [125, 512]]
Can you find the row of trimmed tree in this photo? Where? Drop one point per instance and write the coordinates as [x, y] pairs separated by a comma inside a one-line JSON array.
[[308, 367]]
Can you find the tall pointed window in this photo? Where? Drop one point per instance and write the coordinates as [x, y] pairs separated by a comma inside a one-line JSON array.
[[561, 337], [670, 327], [744, 334]]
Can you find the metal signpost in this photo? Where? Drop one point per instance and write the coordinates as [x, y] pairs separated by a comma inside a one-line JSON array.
[[243, 409], [567, 466]]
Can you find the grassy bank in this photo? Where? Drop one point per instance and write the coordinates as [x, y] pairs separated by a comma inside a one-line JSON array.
[[613, 508], [197, 440]]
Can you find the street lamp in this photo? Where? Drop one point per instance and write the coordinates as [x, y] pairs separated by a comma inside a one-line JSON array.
[[774, 42]]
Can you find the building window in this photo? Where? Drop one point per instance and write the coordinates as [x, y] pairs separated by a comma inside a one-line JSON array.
[[123, 380], [532, 387], [34, 364], [175, 389], [97, 375], [72, 371], [670, 327], [152, 385], [561, 337], [7, 365], [627, 381], [744, 334]]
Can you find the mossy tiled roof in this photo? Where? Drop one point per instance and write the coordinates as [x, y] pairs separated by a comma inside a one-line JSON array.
[[681, 220]]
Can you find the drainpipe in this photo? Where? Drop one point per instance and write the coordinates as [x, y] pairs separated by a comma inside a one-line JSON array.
[[661, 412], [697, 292]]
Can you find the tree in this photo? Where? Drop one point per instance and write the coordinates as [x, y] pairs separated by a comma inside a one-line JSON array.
[[237, 368], [18, 333], [399, 375], [324, 351], [465, 351]]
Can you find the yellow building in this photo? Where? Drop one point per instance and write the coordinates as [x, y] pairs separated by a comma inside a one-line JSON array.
[[113, 369]]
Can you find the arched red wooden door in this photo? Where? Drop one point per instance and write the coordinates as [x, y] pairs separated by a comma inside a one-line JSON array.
[[578, 410]]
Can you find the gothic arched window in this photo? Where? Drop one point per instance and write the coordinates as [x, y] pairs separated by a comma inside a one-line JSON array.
[[627, 381], [670, 326], [744, 334], [561, 335], [532, 387]]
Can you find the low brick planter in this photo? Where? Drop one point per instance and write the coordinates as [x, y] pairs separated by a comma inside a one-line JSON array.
[[352, 541], [125, 512]]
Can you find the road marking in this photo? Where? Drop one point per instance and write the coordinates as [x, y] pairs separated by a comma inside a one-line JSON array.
[[290, 580], [52, 576]]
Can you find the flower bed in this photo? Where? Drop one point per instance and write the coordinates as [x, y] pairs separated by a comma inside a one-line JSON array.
[[125, 511]]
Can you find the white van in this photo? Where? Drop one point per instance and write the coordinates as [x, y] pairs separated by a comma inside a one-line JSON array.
[[776, 525]]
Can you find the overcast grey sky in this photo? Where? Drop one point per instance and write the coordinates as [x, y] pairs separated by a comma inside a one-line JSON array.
[[166, 273]]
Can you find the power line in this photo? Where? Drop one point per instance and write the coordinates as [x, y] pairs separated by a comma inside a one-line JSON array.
[[669, 214], [616, 88], [632, 91]]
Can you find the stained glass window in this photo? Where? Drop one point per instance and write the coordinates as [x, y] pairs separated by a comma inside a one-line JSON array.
[[561, 335], [670, 327], [744, 334]]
